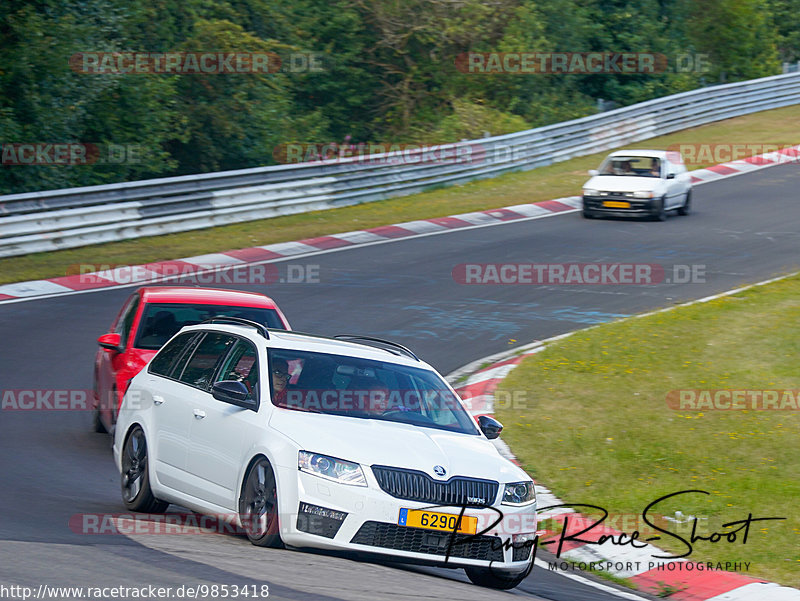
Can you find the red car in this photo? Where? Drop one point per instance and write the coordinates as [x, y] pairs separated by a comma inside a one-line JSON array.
[[149, 318]]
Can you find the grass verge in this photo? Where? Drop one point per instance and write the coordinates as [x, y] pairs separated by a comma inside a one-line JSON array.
[[598, 428], [545, 183]]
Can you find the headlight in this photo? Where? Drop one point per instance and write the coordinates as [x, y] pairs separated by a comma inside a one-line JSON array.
[[519, 493], [643, 195], [590, 192], [345, 472]]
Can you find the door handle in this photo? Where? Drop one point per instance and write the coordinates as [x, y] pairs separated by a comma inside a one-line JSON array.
[[199, 414], [157, 400]]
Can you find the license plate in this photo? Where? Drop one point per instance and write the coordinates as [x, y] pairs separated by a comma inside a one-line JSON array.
[[616, 204], [431, 520]]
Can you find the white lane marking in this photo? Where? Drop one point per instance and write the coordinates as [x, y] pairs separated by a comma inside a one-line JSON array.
[[358, 237], [759, 591], [421, 226], [489, 374], [475, 218], [216, 259], [530, 210], [289, 249], [35, 289]]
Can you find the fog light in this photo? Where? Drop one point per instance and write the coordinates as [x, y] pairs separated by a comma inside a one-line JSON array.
[[522, 543], [319, 520]]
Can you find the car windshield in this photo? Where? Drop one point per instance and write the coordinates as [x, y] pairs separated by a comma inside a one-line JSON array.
[[635, 166], [365, 389], [161, 321]]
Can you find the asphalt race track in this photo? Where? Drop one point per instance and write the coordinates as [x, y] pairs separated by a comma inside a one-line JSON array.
[[742, 230]]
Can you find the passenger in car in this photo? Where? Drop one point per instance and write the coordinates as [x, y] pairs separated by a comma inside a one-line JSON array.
[[655, 168]]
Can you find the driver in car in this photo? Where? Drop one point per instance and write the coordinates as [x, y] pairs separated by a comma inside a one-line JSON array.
[[280, 378]]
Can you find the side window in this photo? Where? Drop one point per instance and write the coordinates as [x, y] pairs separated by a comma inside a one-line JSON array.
[[126, 320], [241, 364], [164, 362], [200, 369]]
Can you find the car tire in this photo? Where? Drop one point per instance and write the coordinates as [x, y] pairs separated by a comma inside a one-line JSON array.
[[684, 210], [135, 476], [493, 578], [587, 214], [660, 210], [258, 505], [97, 421]]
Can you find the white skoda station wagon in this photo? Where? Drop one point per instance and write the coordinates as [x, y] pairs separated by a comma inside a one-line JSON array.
[[348, 444]]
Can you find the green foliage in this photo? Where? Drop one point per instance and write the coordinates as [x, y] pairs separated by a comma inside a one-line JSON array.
[[738, 36], [389, 72], [470, 120], [786, 21]]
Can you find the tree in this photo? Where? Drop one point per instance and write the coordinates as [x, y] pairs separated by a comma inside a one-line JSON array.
[[737, 35]]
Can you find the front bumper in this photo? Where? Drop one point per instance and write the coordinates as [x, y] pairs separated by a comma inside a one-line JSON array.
[[324, 514], [638, 206]]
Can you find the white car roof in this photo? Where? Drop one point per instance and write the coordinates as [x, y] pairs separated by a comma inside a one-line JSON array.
[[285, 339], [653, 154]]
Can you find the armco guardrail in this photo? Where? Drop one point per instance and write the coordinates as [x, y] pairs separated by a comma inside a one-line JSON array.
[[58, 219]]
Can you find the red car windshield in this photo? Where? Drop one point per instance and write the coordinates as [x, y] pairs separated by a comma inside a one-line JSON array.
[[161, 321]]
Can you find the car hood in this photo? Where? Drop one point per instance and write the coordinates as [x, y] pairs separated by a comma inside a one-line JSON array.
[[375, 442], [624, 183]]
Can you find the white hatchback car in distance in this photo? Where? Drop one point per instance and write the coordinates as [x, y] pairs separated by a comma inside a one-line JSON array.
[[350, 444], [638, 182]]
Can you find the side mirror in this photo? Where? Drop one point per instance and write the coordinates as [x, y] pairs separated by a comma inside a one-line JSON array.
[[233, 392], [490, 427], [670, 176], [592, 172], [111, 342]]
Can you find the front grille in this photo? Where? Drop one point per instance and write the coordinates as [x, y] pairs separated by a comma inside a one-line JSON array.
[[417, 540], [412, 485]]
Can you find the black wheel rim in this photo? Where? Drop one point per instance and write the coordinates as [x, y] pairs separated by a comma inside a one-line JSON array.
[[134, 465], [259, 501]]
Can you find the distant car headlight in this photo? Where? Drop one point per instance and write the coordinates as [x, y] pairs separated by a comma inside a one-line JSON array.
[[519, 493], [590, 192], [345, 472], [643, 194]]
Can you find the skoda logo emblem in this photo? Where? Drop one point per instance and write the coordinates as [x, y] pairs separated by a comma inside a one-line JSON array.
[[439, 470]]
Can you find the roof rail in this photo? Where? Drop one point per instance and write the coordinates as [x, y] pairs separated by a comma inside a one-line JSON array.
[[262, 329], [366, 340]]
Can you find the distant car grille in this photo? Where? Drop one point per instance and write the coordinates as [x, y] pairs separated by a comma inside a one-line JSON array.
[[417, 540], [412, 485]]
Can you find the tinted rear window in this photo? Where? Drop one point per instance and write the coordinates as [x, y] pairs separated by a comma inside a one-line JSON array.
[[163, 363], [161, 321]]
